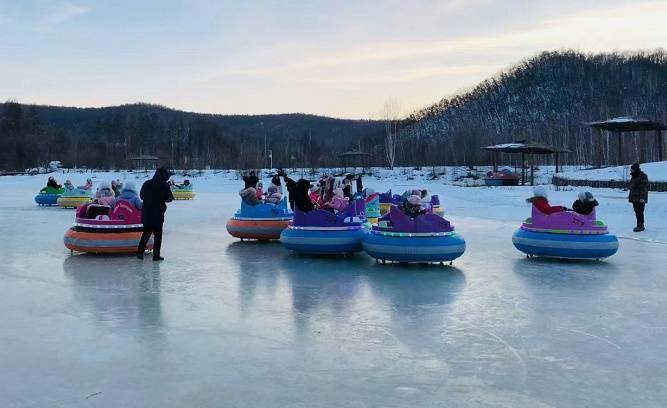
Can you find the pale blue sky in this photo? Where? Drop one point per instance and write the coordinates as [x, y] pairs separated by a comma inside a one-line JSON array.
[[337, 58]]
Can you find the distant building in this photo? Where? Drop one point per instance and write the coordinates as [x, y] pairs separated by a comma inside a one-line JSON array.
[[144, 162]]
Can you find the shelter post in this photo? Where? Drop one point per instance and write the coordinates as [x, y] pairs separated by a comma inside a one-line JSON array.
[[532, 169], [660, 144], [495, 160], [523, 168], [619, 153], [556, 158], [597, 135]]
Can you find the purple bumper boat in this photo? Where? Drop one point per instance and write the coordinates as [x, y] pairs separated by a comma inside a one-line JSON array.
[[423, 239], [565, 235], [323, 232]]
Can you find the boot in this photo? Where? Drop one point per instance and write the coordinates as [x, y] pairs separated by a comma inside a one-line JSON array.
[[140, 255], [157, 258], [639, 227]]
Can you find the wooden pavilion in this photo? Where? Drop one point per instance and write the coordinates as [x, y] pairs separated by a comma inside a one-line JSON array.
[[526, 148], [626, 124], [354, 159]]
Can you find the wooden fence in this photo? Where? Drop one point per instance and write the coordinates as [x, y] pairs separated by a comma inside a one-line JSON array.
[[559, 181]]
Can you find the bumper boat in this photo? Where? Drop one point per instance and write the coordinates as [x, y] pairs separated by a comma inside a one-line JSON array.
[[181, 192], [323, 232], [504, 177], [262, 221], [423, 239], [49, 196], [73, 198], [565, 235], [116, 232]]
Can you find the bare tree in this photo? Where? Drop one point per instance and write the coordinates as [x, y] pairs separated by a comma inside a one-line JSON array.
[[391, 117]]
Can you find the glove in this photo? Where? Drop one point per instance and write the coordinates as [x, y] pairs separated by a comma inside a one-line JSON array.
[[642, 201]]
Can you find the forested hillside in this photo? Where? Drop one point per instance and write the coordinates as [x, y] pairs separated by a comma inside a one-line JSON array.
[[104, 137], [545, 98]]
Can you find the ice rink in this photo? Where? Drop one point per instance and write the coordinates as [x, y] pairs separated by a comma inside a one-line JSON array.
[[222, 323]]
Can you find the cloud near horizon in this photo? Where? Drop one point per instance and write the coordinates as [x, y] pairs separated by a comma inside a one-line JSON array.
[[314, 58]]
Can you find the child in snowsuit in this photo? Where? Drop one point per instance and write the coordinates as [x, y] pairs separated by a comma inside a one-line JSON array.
[[540, 201], [88, 185], [129, 194], [585, 203], [249, 196], [338, 202], [413, 206], [259, 190], [273, 196], [51, 182]]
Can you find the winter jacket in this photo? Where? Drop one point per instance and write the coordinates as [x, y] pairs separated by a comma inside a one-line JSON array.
[[105, 200], [156, 194], [87, 186], [339, 201], [638, 188], [584, 207], [275, 180], [251, 180], [131, 197], [347, 187], [360, 185], [273, 198], [53, 184], [249, 196], [543, 205], [291, 190], [301, 196]]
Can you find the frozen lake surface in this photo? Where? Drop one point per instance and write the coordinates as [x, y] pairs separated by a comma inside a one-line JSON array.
[[224, 323]]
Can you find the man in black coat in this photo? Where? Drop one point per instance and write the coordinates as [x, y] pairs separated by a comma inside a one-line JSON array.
[[302, 199], [638, 194], [291, 188], [155, 193]]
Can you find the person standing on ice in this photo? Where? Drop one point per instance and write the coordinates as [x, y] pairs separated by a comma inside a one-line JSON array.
[[541, 202], [638, 194], [291, 188], [155, 194]]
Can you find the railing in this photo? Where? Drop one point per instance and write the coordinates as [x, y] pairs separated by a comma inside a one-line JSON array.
[[560, 181]]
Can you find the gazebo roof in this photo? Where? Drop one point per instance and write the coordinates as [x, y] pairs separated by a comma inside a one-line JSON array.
[[353, 154], [144, 157], [627, 124], [523, 146]]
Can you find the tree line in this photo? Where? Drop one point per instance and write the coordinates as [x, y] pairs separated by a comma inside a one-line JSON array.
[[545, 99], [32, 135]]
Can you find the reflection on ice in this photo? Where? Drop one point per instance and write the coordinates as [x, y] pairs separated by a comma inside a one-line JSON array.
[[120, 290]]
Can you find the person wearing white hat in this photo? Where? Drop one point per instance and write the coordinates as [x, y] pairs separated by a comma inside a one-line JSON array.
[[541, 202]]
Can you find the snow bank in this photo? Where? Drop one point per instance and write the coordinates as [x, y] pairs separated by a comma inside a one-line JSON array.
[[656, 171]]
